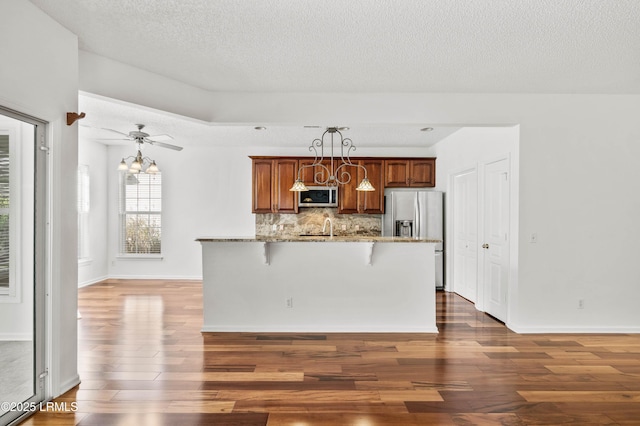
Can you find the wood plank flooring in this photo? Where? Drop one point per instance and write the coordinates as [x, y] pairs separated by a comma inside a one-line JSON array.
[[144, 361]]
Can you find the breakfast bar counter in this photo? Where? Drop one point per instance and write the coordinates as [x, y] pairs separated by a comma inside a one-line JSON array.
[[318, 284]]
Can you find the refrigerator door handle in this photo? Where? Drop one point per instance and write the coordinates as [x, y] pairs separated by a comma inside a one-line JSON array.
[[417, 218]]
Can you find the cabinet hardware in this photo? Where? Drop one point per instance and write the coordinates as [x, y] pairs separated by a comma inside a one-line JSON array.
[[485, 246]]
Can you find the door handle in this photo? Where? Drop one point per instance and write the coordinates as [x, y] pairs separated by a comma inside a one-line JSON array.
[[485, 246]]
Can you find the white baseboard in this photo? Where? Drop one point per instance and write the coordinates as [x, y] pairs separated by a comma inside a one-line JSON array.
[[572, 330], [15, 337], [156, 277], [68, 385], [92, 281], [312, 329], [138, 277]]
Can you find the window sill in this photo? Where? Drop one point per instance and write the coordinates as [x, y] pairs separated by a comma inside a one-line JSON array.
[[139, 256]]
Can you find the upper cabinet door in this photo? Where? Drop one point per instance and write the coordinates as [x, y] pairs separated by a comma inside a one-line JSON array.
[[423, 172], [372, 202], [405, 172], [262, 182], [347, 195], [285, 174], [396, 173]]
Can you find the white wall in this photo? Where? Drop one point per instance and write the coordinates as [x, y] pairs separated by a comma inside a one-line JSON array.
[[39, 77], [578, 176], [206, 192], [94, 155], [469, 146]]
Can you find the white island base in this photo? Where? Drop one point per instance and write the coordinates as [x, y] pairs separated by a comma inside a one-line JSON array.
[[328, 285]]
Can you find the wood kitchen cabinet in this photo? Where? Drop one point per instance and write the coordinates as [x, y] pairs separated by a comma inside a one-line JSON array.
[[272, 179], [363, 202], [307, 174], [408, 172]]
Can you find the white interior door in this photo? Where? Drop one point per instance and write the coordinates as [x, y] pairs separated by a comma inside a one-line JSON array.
[[496, 238], [465, 234]]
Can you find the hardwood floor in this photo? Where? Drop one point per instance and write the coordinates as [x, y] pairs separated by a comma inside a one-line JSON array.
[[144, 361]]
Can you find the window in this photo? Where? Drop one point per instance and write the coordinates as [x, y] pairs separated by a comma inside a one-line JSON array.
[[140, 213], [4, 213], [17, 143], [83, 212]]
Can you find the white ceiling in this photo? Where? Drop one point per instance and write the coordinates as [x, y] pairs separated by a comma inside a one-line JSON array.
[[104, 113], [549, 46], [480, 46]]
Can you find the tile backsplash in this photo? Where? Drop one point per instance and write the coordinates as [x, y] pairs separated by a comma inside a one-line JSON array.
[[311, 220]]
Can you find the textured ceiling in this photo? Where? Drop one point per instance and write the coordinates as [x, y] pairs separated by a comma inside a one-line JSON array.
[[357, 46], [499, 46]]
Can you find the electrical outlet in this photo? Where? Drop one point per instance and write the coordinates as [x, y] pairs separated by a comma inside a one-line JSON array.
[[580, 303], [290, 302], [274, 227], [344, 227], [357, 227]]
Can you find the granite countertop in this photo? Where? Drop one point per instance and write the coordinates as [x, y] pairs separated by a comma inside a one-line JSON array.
[[318, 238]]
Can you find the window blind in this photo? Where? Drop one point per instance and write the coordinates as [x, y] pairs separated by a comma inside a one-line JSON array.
[[4, 211], [140, 213]]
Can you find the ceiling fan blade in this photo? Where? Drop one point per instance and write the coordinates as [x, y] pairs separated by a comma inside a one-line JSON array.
[[164, 145], [114, 139], [159, 138], [115, 131]]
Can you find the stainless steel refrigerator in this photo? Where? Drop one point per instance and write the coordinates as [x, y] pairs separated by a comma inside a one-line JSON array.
[[416, 213]]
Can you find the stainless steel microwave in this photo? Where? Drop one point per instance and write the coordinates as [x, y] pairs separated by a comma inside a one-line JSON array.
[[319, 196]]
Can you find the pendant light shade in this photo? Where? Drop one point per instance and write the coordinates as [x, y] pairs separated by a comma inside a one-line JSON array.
[[299, 186], [153, 168], [123, 166], [365, 185]]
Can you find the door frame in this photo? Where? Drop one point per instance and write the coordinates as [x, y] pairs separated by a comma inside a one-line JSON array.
[[41, 265], [479, 166]]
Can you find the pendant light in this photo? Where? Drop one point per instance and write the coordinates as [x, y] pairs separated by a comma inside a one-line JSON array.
[[337, 172]]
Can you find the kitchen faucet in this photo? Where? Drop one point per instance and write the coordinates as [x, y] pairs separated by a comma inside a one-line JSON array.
[[324, 227]]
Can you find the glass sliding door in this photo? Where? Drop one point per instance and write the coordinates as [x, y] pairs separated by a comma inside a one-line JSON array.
[[22, 264]]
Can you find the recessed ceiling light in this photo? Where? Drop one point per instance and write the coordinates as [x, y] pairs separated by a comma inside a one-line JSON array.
[[311, 127], [260, 128], [426, 129]]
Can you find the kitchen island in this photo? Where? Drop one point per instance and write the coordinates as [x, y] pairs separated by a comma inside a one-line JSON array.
[[318, 284]]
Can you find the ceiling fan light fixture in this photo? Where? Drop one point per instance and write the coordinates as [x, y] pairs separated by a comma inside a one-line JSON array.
[[139, 162], [135, 165], [123, 166], [153, 168]]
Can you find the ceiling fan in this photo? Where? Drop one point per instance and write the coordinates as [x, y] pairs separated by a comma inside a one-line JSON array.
[[140, 137]]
